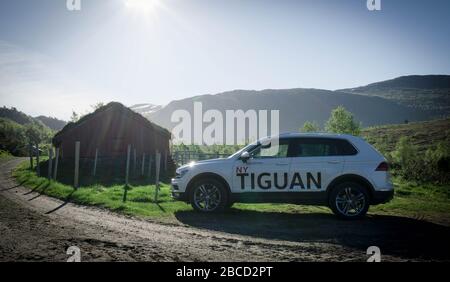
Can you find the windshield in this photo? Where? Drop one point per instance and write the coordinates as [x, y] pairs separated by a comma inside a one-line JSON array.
[[246, 148]]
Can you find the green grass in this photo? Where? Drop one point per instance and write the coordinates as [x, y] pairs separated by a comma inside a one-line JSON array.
[[4, 155], [139, 199], [412, 200], [424, 200]]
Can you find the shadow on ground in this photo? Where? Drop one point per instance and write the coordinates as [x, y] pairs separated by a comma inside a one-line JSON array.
[[398, 236]]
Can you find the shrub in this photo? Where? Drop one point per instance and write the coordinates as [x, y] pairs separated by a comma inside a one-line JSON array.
[[411, 164], [342, 121], [309, 126]]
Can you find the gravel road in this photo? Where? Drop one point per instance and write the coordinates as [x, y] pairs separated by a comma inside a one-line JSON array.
[[35, 227]]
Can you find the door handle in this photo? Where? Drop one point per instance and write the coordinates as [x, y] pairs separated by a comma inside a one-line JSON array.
[[334, 162]]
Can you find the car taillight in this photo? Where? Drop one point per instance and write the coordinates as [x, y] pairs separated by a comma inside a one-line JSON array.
[[382, 167]]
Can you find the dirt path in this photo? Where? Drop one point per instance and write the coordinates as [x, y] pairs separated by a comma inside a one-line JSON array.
[[37, 227]]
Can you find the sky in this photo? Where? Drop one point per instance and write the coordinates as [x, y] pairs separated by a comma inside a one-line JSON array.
[[53, 60]]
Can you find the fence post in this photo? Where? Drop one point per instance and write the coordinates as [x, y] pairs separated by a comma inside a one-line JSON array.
[[128, 165], [143, 164], [50, 162], [150, 162], [77, 164], [55, 173], [134, 161], [38, 166], [165, 161], [157, 167], [30, 148], [95, 162]]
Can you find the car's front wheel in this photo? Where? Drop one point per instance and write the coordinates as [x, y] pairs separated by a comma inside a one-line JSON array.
[[349, 200], [208, 195]]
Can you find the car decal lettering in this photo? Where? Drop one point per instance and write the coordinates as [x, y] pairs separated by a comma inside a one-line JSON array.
[[285, 182], [266, 180], [317, 183], [297, 181], [252, 182], [242, 176], [241, 169], [267, 184]]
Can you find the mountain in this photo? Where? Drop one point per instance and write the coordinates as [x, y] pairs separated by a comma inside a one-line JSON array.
[[296, 106], [51, 122], [425, 92], [23, 119], [14, 126], [15, 115], [145, 109]]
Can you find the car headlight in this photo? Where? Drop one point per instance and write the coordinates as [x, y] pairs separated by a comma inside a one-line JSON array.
[[181, 172]]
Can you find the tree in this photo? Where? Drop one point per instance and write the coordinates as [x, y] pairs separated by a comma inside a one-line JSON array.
[[97, 106], [309, 126], [33, 134], [342, 121], [74, 117]]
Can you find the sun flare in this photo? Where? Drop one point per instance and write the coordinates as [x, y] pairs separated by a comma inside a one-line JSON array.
[[146, 7]]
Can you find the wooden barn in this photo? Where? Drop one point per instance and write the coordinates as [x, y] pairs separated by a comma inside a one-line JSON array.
[[110, 129]]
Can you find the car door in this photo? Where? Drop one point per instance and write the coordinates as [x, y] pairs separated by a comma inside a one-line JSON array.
[[266, 165], [315, 163]]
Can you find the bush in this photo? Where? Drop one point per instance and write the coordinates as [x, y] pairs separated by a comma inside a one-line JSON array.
[[431, 166], [342, 121], [310, 127], [12, 137]]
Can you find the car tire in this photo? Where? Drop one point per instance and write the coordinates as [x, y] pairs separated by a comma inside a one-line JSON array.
[[229, 204], [349, 200], [208, 195]]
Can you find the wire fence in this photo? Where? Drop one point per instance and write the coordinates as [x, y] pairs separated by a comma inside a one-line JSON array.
[[137, 168], [184, 157]]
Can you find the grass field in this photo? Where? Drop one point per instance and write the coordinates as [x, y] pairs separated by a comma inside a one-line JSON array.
[[424, 134], [429, 202]]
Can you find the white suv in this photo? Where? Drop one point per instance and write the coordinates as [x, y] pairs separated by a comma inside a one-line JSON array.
[[336, 170]]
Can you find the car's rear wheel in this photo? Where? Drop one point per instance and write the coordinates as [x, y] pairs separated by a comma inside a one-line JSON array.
[[349, 200], [208, 195]]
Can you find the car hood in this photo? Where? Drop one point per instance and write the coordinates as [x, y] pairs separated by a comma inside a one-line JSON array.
[[205, 162]]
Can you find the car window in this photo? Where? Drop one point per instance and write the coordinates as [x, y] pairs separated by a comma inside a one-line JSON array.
[[345, 148], [322, 147], [275, 151]]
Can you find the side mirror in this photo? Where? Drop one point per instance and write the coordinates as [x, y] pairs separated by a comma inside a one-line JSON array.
[[244, 156]]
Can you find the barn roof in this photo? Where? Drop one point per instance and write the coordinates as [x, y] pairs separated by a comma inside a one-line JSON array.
[[115, 106]]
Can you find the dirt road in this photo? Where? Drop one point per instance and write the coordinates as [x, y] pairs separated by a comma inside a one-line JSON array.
[[35, 227]]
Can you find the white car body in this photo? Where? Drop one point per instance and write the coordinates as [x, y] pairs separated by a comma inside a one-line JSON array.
[[299, 176]]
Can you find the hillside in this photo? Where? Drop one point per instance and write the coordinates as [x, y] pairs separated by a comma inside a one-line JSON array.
[[52, 123], [15, 115], [422, 134], [296, 106], [426, 92]]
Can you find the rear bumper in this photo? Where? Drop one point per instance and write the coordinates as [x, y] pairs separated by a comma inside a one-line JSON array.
[[381, 197]]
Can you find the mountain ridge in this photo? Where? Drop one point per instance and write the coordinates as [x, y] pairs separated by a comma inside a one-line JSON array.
[[296, 106], [424, 92]]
